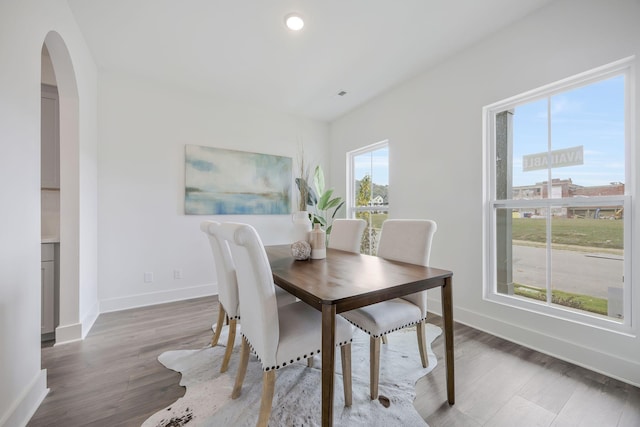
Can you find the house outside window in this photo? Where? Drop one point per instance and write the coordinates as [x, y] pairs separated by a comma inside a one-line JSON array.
[[368, 190], [558, 210]]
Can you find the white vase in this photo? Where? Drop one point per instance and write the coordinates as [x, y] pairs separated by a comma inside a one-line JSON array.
[[301, 226], [318, 240]]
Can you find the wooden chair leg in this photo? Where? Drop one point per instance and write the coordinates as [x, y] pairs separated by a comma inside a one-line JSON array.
[[384, 339], [230, 341], [345, 354], [422, 344], [268, 385], [216, 335], [242, 369], [374, 366], [310, 362]]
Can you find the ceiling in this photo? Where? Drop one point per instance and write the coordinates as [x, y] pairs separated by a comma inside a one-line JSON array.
[[240, 49]]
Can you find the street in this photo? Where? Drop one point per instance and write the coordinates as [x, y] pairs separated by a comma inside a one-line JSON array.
[[578, 272]]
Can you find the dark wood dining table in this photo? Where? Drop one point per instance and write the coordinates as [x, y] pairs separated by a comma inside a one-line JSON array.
[[345, 281]]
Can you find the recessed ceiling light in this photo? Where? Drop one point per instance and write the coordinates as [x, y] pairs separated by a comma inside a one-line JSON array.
[[294, 22]]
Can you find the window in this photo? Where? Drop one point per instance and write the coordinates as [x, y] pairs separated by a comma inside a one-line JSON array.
[[557, 219], [368, 190]]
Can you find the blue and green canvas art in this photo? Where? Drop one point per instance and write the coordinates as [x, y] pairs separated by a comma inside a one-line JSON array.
[[230, 182]]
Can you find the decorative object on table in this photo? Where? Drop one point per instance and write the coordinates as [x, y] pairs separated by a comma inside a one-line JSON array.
[[229, 182], [318, 241], [301, 226], [324, 206], [207, 400], [301, 250], [306, 196]]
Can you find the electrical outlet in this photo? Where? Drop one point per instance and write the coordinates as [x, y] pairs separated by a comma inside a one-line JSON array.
[[177, 274], [148, 277]]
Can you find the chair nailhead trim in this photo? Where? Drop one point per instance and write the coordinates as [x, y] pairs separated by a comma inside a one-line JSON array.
[[305, 356], [236, 317], [385, 332]]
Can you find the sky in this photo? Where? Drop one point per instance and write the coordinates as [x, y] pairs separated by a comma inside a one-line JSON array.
[[375, 164], [590, 116]]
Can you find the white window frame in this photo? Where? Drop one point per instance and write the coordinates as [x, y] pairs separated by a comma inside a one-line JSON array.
[[624, 67], [351, 181], [351, 186]]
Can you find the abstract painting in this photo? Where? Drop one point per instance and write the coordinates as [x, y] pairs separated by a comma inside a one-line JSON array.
[[230, 182]]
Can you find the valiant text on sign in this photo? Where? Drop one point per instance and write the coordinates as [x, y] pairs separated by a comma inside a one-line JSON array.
[[559, 158]]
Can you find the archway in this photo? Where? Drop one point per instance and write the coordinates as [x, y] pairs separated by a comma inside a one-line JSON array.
[[69, 328]]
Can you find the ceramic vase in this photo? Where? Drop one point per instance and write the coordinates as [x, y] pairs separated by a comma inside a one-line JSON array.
[[318, 241], [301, 226]]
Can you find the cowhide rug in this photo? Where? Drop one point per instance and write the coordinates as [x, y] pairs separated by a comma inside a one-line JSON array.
[[297, 397]]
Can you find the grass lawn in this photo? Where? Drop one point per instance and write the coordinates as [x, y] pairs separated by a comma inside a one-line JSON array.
[[567, 299], [378, 219], [598, 233]]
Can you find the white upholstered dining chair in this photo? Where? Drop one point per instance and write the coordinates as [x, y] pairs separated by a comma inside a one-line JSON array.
[[229, 304], [406, 241], [278, 335], [346, 234]]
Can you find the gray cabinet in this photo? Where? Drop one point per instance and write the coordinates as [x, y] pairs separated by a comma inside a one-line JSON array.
[[48, 279], [50, 138]]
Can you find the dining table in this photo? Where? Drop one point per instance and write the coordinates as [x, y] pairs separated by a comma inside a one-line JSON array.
[[345, 281]]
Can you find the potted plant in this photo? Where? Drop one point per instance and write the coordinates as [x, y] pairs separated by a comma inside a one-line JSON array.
[[324, 205]]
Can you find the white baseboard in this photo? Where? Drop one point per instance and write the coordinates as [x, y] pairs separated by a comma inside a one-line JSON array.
[[68, 333], [161, 297], [90, 319], [608, 364], [77, 331], [26, 405]]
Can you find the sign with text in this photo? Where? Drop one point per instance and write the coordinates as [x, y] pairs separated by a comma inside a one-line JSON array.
[[559, 158]]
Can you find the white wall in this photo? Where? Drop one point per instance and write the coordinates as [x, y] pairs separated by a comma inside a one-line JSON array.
[[143, 128], [434, 127], [48, 75], [23, 27]]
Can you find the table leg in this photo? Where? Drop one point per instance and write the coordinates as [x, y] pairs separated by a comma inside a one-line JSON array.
[[328, 362], [447, 316]]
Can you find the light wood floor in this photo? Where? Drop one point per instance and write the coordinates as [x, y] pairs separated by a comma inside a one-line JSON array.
[[113, 378]]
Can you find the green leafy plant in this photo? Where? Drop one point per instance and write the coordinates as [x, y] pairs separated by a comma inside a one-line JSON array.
[[306, 195], [324, 205]]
